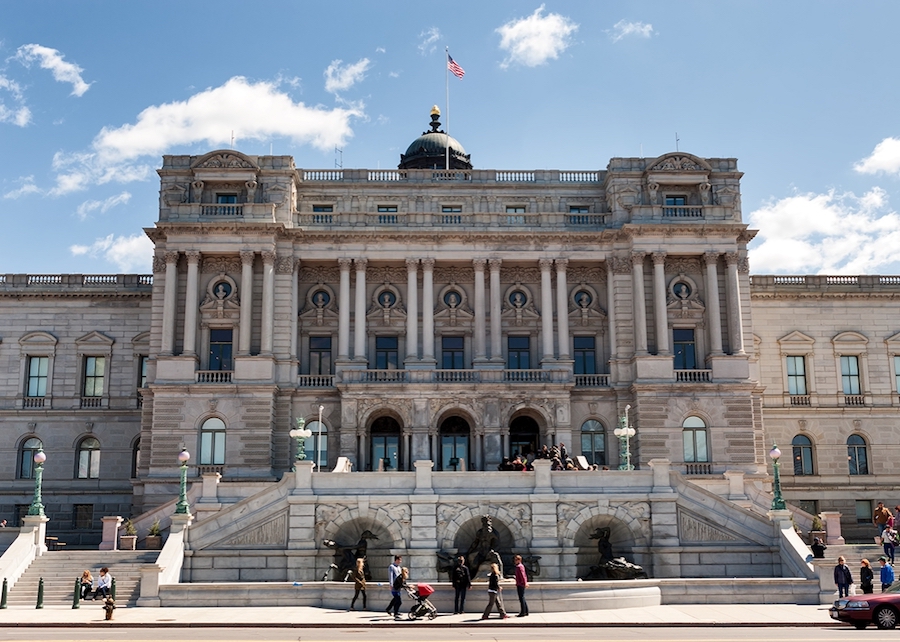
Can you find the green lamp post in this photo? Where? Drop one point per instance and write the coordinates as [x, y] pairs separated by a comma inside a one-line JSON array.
[[301, 433], [625, 432], [37, 507], [182, 507], [777, 500]]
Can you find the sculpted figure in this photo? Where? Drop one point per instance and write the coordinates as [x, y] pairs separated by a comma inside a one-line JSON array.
[[483, 545], [346, 556]]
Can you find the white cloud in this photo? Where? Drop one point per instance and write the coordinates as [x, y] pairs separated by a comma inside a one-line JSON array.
[[127, 253], [338, 78], [826, 233], [534, 40], [104, 206], [20, 114], [53, 60], [427, 40], [380, 50], [884, 158], [257, 111], [27, 187], [623, 29], [394, 74]]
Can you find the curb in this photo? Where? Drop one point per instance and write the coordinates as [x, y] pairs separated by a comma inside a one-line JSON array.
[[448, 625]]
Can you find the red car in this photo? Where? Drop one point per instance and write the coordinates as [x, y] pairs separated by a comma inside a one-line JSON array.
[[880, 609]]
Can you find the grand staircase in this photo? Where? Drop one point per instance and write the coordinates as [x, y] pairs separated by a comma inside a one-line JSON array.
[[61, 568]]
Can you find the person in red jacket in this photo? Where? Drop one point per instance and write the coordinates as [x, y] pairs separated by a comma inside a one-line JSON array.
[[521, 585]]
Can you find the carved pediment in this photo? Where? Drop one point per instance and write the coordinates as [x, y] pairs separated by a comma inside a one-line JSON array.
[[224, 159], [269, 534], [678, 162], [94, 339]]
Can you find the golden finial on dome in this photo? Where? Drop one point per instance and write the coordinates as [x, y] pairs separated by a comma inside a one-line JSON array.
[[435, 111]]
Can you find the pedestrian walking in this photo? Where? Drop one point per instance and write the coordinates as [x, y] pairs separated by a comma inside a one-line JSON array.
[[889, 541], [887, 573], [395, 572], [359, 583], [521, 585], [880, 517], [494, 594], [866, 577], [461, 580], [842, 577]]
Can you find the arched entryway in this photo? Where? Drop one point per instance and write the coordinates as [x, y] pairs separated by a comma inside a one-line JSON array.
[[454, 444], [384, 445], [524, 435]]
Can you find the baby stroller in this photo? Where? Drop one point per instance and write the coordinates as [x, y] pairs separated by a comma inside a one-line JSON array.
[[422, 607]]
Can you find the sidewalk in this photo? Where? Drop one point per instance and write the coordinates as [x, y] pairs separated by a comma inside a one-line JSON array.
[[721, 615]]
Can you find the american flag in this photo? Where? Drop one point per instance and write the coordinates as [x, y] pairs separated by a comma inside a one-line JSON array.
[[454, 68]]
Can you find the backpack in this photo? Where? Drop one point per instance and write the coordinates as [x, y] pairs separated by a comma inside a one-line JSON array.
[[459, 576]]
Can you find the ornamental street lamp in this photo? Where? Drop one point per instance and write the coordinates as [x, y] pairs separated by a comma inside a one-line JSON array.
[[37, 507], [319, 436], [301, 434], [625, 432], [182, 507], [777, 500]]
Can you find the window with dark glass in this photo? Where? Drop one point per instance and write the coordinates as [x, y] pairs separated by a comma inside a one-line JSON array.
[[386, 353], [684, 347], [88, 459], [675, 201], [385, 444], [136, 457], [94, 372], [452, 353], [387, 208], [143, 360], [585, 355], [593, 442], [578, 209], [796, 371], [450, 209], [323, 208], [518, 353], [26, 457], [803, 455], [220, 347], [226, 199], [850, 375], [810, 506], [857, 457], [317, 444], [864, 511], [320, 355], [37, 376], [83, 516], [515, 209]]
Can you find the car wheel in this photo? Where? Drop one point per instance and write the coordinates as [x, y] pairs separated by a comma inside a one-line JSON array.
[[860, 625], [885, 617]]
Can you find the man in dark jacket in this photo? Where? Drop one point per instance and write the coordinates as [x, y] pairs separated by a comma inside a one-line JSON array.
[[461, 580], [842, 577]]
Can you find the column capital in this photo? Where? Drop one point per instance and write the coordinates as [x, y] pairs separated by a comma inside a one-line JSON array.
[[193, 256], [344, 263], [269, 257], [711, 258], [247, 257], [171, 256], [412, 265], [637, 258], [428, 264], [295, 264], [561, 264], [495, 264], [659, 258], [545, 264], [360, 264], [731, 258], [479, 264]]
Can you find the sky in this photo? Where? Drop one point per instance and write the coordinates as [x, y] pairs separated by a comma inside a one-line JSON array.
[[804, 94]]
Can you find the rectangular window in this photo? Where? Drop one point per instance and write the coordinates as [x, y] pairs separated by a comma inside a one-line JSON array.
[[850, 375], [387, 208], [585, 355], [675, 201], [518, 353], [220, 346], [450, 209], [320, 355], [323, 208], [94, 371], [452, 353], [863, 511], [37, 376], [684, 347], [83, 516], [810, 506], [143, 360], [21, 512], [515, 209], [897, 374], [796, 371], [579, 209], [386, 353], [226, 199]]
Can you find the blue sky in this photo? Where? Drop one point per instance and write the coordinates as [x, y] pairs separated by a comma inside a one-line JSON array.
[[803, 94]]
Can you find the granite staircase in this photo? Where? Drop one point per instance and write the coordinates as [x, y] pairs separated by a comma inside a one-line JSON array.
[[60, 569]]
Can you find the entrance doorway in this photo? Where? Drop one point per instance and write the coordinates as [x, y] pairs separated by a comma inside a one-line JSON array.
[[385, 440], [454, 436], [523, 436]]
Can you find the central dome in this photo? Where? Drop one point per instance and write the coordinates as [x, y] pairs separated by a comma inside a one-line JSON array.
[[429, 151]]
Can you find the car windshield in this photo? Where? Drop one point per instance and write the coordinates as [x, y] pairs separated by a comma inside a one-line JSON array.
[[893, 588]]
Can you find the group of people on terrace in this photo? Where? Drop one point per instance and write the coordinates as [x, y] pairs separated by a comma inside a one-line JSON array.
[[558, 456]]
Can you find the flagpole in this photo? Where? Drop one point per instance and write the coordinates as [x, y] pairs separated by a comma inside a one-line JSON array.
[[447, 105]]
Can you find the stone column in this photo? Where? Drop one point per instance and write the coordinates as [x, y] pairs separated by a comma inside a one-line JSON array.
[[496, 325], [295, 307], [191, 303], [659, 303], [712, 302], [246, 314], [268, 303], [406, 446], [562, 308], [735, 316], [640, 304], [428, 309], [344, 311], [435, 447], [170, 295], [546, 309], [611, 311], [359, 327], [412, 309], [480, 318]]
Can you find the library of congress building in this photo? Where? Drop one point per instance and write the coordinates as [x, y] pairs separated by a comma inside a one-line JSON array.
[[429, 324]]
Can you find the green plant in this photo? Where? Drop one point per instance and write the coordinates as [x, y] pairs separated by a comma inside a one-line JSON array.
[[128, 527], [817, 524], [154, 528]]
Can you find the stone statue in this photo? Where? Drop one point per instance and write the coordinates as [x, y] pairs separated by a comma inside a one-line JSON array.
[[484, 544], [609, 567], [346, 556]]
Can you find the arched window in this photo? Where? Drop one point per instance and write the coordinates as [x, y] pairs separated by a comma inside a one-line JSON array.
[[26, 457], [693, 435], [857, 457], [385, 442], [593, 442], [88, 459], [454, 436], [212, 442], [136, 457], [803, 455], [316, 447]]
